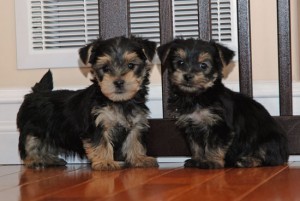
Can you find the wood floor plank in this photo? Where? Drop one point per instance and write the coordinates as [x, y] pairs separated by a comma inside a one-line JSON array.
[[25, 175], [282, 187], [9, 169], [35, 183], [168, 185], [169, 182], [109, 183], [231, 186]]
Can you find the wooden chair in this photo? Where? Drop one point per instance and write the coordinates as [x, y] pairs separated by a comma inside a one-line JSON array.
[[164, 139]]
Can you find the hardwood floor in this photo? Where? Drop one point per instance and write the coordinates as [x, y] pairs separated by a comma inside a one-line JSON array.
[[169, 182]]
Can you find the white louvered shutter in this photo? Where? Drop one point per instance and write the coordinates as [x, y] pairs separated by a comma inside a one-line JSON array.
[[222, 20], [185, 17], [144, 19], [50, 32], [223, 16]]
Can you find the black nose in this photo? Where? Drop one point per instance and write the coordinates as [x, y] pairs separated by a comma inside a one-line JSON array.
[[188, 77], [119, 83]]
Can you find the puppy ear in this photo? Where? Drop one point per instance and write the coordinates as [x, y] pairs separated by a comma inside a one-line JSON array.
[[163, 52], [149, 47], [226, 55], [85, 53]]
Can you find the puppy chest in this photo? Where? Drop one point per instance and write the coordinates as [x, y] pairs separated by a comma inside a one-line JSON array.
[[115, 116], [200, 116]]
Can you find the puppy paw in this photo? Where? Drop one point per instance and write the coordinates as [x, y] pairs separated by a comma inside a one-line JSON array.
[[106, 165], [248, 162], [45, 162], [143, 162], [192, 163], [58, 162]]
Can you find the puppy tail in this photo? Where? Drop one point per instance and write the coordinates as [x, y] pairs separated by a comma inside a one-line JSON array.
[[45, 84]]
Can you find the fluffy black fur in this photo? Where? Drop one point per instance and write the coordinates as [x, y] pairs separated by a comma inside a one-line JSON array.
[[108, 116], [223, 128]]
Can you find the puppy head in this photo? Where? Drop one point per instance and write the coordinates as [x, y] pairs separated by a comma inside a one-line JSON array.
[[194, 65], [120, 65]]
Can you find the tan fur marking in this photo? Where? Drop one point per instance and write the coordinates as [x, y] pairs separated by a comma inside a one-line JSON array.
[[197, 151], [130, 56], [200, 116], [109, 116], [180, 53], [39, 154], [222, 58], [132, 149], [89, 52], [135, 152], [249, 162], [103, 60], [131, 86], [101, 156], [199, 82], [252, 161], [205, 116], [216, 155], [202, 82], [204, 57]]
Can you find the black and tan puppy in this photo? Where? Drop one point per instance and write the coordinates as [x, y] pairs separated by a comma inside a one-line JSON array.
[[223, 128], [107, 117]]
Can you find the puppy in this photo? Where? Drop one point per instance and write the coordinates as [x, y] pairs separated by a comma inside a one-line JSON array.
[[108, 117], [223, 128]]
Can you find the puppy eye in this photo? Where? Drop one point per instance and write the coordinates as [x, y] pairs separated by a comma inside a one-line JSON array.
[[203, 66], [180, 63], [131, 66], [105, 69]]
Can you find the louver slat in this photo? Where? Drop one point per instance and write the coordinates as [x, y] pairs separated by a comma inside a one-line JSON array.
[[221, 20], [61, 24], [186, 18], [144, 19]]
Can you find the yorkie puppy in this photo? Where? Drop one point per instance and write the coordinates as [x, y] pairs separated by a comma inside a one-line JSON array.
[[223, 128], [108, 117]]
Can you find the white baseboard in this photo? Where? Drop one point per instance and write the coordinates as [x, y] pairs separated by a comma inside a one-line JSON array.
[[266, 92]]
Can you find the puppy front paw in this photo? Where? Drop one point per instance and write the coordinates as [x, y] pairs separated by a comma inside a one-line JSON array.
[[248, 162], [143, 162], [106, 165], [193, 163], [190, 163], [47, 161]]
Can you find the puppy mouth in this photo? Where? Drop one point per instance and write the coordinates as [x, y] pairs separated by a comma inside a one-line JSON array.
[[187, 84], [189, 87], [119, 91]]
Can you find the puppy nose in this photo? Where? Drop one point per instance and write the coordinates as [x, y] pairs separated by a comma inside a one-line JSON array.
[[119, 83], [188, 77]]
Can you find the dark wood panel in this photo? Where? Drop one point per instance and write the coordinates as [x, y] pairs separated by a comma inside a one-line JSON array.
[[166, 140], [244, 47], [291, 124], [284, 57], [166, 35], [204, 19], [113, 18]]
